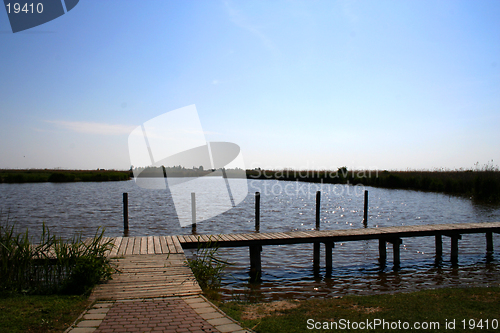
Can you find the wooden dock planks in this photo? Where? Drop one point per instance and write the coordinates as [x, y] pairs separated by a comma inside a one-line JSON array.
[[329, 236], [145, 276]]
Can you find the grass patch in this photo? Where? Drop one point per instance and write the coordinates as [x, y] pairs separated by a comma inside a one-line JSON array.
[[23, 313], [437, 306]]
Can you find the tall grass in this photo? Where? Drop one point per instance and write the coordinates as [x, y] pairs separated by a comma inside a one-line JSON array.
[[51, 265], [207, 267]]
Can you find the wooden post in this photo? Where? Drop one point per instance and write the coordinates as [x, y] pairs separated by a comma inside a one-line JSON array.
[[382, 251], [125, 211], [318, 208], [454, 248], [365, 216], [193, 213], [439, 247], [395, 252], [255, 263], [328, 257], [316, 254], [316, 246], [489, 242], [257, 211]]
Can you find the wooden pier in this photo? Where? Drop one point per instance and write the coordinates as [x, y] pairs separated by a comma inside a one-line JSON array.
[[392, 235], [174, 245]]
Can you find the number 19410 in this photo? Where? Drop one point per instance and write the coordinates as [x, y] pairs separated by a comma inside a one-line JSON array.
[[31, 8], [487, 324]]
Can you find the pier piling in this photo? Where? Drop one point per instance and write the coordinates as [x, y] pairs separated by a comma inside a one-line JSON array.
[[365, 215], [454, 248], [317, 245], [318, 208], [125, 211], [193, 213], [396, 242], [382, 251], [255, 263], [489, 242], [257, 211], [316, 255], [439, 247], [328, 257]]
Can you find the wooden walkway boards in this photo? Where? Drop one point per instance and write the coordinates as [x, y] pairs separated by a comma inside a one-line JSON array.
[[149, 267], [149, 276]]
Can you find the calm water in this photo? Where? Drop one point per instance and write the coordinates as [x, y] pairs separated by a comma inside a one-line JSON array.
[[72, 208]]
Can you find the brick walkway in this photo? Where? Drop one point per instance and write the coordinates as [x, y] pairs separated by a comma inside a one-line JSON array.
[[172, 314], [153, 291]]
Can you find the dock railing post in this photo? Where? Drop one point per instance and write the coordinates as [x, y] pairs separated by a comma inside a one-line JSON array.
[[318, 208], [316, 245], [365, 216], [193, 213], [257, 211], [125, 211]]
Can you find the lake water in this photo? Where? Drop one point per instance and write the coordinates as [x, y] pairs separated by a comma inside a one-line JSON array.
[[79, 208]]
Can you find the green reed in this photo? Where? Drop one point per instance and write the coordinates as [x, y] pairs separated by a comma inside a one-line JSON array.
[[207, 267], [51, 265]]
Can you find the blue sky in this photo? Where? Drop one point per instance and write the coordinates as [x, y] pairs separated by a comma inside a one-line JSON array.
[[300, 84]]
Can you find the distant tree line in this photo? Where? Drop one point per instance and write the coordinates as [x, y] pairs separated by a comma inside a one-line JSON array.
[[62, 176]]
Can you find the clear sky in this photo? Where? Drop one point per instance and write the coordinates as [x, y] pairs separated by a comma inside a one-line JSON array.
[[298, 84]]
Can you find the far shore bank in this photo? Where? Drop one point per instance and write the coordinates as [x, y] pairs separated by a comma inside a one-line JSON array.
[[61, 176], [481, 184]]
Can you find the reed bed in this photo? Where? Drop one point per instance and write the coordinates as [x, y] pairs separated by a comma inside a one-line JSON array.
[[207, 267], [51, 265]]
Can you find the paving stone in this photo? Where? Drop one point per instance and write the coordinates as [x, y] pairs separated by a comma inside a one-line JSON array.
[[211, 315], [202, 304], [228, 328], [82, 330], [193, 300], [89, 323], [103, 305], [94, 316], [100, 310], [204, 310], [220, 321]]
